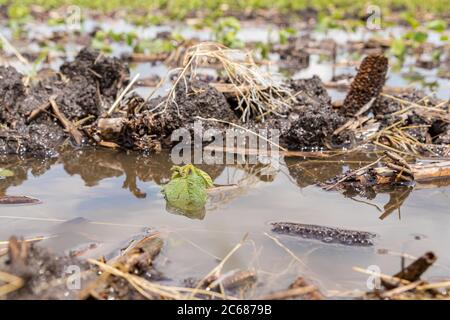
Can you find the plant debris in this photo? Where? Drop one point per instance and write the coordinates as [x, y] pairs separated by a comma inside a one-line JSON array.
[[325, 234], [18, 200], [367, 84], [407, 285]]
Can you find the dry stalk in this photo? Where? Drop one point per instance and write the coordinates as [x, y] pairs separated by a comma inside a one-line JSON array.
[[122, 94], [150, 289], [278, 242], [257, 92], [11, 48], [245, 129], [12, 283], [218, 269]]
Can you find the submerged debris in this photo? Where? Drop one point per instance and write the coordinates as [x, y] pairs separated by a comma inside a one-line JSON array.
[[407, 285], [137, 261], [233, 282], [414, 271], [300, 288], [18, 200], [395, 172], [325, 234]]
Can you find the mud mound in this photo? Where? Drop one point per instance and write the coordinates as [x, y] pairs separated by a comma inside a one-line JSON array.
[[145, 131], [312, 90], [384, 106], [39, 139], [199, 99], [93, 78], [110, 73], [80, 99], [424, 126], [312, 128], [312, 118], [11, 89], [82, 90]]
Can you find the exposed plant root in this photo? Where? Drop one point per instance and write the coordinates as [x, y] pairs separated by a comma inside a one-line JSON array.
[[257, 92]]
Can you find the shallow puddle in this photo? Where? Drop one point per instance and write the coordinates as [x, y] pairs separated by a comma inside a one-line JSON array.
[[98, 201]]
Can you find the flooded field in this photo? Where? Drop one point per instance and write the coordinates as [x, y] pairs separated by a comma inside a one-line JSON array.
[[106, 199], [363, 178]]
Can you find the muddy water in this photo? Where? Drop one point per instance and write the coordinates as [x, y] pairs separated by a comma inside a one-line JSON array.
[[105, 199]]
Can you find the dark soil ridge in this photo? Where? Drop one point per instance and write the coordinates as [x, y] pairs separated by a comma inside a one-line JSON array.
[[85, 88], [82, 88]]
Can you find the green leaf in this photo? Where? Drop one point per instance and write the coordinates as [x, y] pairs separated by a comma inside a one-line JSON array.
[[437, 25], [4, 173], [206, 178], [186, 192], [398, 48], [420, 36], [18, 11], [411, 20]]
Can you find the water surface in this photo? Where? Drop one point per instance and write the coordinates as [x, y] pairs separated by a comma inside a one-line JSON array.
[[109, 198]]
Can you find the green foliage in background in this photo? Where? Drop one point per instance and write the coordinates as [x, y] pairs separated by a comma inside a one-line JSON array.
[[225, 31], [179, 9]]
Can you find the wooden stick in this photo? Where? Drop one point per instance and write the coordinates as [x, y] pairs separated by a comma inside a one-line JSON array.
[[69, 126], [399, 168], [397, 158], [412, 272], [122, 94], [33, 115], [386, 89], [423, 172], [356, 118], [417, 268], [290, 293], [401, 289], [250, 151], [231, 88], [142, 57]]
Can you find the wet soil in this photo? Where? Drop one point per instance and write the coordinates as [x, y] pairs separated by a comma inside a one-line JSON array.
[[150, 130], [87, 86], [82, 89], [313, 119], [44, 274]]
